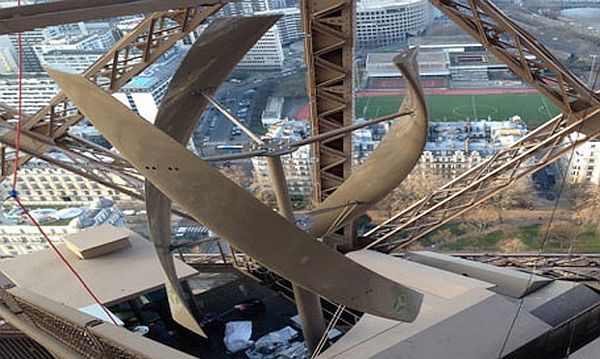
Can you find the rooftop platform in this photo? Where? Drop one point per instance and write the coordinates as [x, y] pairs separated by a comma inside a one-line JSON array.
[[114, 277]]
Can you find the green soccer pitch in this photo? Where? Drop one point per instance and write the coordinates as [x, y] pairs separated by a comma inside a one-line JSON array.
[[533, 108]]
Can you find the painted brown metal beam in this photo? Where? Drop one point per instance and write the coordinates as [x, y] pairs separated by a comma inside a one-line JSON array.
[[388, 165], [553, 140], [329, 48], [235, 214], [29, 17], [128, 58]]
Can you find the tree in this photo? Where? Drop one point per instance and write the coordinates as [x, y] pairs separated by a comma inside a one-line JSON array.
[[586, 205], [518, 195], [417, 185], [511, 245], [563, 234], [442, 237], [238, 174]]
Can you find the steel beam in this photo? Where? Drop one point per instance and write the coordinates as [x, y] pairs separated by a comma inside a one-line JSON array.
[[565, 266], [47, 130], [29, 17], [533, 152], [329, 48], [307, 302], [579, 123], [69, 333], [520, 51], [15, 316]]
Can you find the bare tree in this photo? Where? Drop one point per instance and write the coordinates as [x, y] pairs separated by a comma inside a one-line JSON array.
[[442, 237], [418, 184], [586, 205], [238, 174], [562, 234], [518, 195], [513, 245]]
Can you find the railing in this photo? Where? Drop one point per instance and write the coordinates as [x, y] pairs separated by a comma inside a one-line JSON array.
[[78, 333]]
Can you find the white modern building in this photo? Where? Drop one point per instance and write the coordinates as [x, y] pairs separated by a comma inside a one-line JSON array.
[[41, 184], [289, 25], [267, 54], [144, 95], [273, 112], [23, 239], [75, 61], [37, 91], [88, 35], [388, 22], [245, 7], [75, 52], [584, 167]]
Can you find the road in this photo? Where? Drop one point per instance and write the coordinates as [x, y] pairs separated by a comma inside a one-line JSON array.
[[242, 100]]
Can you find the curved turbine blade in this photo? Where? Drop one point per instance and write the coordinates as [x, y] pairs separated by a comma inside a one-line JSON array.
[[387, 166], [208, 63], [236, 215]]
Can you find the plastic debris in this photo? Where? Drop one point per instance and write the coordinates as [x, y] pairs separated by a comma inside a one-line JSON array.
[[278, 344], [237, 336]]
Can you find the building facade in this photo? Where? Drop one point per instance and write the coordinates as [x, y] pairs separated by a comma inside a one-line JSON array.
[[451, 147], [76, 50], [389, 22], [584, 166], [31, 63], [289, 25], [267, 54], [144, 94], [297, 165], [443, 65], [23, 239], [42, 184], [37, 91]]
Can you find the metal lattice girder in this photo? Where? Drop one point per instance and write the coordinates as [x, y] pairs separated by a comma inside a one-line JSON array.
[[80, 157], [28, 17], [48, 128], [329, 48], [329, 25], [539, 148], [579, 123], [564, 266], [69, 333], [518, 49]]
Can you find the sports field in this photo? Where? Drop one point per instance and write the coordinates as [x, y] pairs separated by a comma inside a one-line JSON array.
[[533, 108]]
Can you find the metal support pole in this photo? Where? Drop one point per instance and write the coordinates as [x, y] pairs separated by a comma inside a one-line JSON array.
[[307, 303], [233, 119]]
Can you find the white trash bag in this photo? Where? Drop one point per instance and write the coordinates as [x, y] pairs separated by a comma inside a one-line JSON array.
[[237, 336]]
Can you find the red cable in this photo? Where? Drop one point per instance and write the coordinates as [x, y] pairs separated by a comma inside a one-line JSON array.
[[64, 260], [15, 194], [19, 109]]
